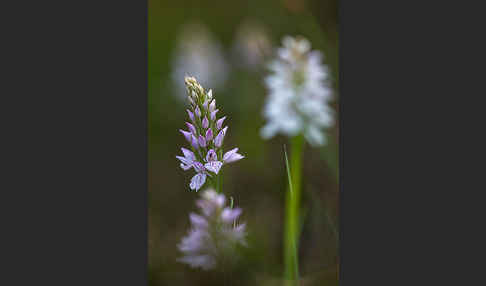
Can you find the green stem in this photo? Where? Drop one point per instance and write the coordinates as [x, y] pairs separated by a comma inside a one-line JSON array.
[[220, 186], [217, 182], [292, 211], [219, 177]]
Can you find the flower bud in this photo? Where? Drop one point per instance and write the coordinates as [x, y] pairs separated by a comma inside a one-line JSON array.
[[218, 141], [202, 141], [232, 156], [206, 104], [194, 142], [198, 112], [189, 80], [205, 123], [191, 115], [209, 135], [213, 114], [191, 100], [219, 123], [212, 105], [191, 128]]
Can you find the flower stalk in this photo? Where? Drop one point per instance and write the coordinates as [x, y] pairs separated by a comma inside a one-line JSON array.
[[292, 221]]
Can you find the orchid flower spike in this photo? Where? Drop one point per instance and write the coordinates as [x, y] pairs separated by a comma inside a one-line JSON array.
[[214, 234], [298, 97], [205, 136]]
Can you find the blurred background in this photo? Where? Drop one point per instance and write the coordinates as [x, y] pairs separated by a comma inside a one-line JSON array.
[[226, 45]]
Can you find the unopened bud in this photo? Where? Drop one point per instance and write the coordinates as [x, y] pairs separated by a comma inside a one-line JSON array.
[[205, 122]]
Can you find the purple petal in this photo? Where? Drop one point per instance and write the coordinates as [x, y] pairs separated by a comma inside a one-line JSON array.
[[213, 114], [229, 215], [187, 135], [205, 104], [232, 156], [188, 154], [219, 123], [213, 198], [194, 142], [186, 163], [206, 207], [218, 141], [197, 111], [213, 166], [184, 160], [185, 167], [191, 115], [198, 166], [193, 242], [211, 156], [197, 181], [191, 128], [198, 221], [202, 141], [209, 135], [205, 122], [219, 200], [235, 157], [212, 106], [191, 100], [229, 153]]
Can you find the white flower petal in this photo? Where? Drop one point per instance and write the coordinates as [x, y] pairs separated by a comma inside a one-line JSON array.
[[229, 215], [197, 181], [185, 167], [232, 156], [314, 136], [292, 106], [230, 153], [188, 154], [268, 131], [213, 166]]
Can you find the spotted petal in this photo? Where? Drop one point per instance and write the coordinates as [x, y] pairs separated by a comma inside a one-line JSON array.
[[213, 166], [211, 156], [197, 181], [186, 167], [188, 154]]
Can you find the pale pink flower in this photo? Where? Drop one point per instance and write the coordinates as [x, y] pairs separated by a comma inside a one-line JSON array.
[[214, 233], [207, 149]]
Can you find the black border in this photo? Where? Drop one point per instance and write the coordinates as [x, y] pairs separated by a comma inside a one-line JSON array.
[[75, 142], [75, 184]]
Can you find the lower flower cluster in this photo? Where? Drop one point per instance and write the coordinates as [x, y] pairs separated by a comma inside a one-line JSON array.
[[214, 233]]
